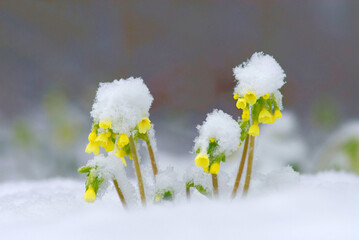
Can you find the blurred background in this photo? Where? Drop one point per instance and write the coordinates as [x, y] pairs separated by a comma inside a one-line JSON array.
[[53, 54]]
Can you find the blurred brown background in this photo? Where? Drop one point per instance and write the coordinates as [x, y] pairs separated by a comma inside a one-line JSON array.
[[54, 53]]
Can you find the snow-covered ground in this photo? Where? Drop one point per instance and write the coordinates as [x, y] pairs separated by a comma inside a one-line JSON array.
[[321, 206]]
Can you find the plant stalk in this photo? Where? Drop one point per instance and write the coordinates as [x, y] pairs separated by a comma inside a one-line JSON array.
[[119, 192], [152, 157], [138, 171], [215, 185], [241, 167], [188, 192], [249, 166]]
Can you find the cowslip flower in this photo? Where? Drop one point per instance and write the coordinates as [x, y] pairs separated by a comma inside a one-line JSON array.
[[90, 195], [144, 125]]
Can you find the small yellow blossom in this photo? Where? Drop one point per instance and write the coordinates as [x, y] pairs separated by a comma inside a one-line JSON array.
[[277, 114], [250, 97], [254, 130], [158, 198], [266, 96], [241, 103], [105, 124], [265, 116], [123, 140], [245, 114], [120, 153], [202, 160], [92, 136], [144, 125], [212, 140], [110, 146], [214, 168], [239, 145], [102, 139], [205, 169], [90, 195], [92, 147], [235, 96]]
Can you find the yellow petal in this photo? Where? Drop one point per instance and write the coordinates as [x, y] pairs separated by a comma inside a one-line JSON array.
[[245, 114], [202, 160], [254, 130], [123, 140], [105, 124], [214, 168], [101, 139], [90, 195], [251, 97], [265, 116], [120, 153], [212, 140], [266, 96], [241, 103], [92, 148], [158, 198], [92, 136], [235, 96], [277, 114], [110, 146], [144, 125]]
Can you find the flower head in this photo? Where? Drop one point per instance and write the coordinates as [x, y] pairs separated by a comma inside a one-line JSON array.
[[241, 103], [265, 116], [236, 96], [277, 114], [144, 125], [92, 148], [254, 129], [250, 97], [266, 96], [105, 124], [214, 169], [90, 195], [245, 114], [102, 139], [123, 140], [110, 146], [92, 136], [202, 160]]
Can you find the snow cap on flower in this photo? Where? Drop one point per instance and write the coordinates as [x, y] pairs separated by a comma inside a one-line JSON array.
[[261, 74], [124, 102], [223, 128]]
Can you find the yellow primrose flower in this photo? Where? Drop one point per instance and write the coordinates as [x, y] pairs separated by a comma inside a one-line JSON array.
[[245, 114], [265, 116], [214, 168], [266, 96], [120, 153], [212, 140], [277, 114], [205, 169], [123, 140], [105, 124], [90, 195], [92, 136], [102, 139], [254, 130], [158, 198], [110, 146], [202, 160], [241, 103], [235, 96], [250, 97], [144, 125], [92, 147]]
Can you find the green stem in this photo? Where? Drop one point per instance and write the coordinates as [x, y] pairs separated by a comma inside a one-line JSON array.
[[241, 167], [215, 185], [249, 166], [119, 192], [152, 157]]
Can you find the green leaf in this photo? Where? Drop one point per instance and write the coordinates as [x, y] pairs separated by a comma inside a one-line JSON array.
[[84, 169]]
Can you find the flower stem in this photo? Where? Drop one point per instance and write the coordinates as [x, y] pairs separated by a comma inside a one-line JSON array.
[[249, 165], [138, 171], [188, 192], [152, 157], [215, 185], [119, 192], [241, 167]]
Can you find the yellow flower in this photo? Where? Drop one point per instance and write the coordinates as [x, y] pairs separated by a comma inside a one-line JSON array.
[[105, 124], [90, 195], [120, 153], [205, 169], [102, 139], [202, 160], [110, 146], [123, 140], [92, 147], [254, 130], [245, 114], [235, 96], [266, 96], [277, 114], [250, 97], [212, 140], [241, 103], [92, 136], [158, 198], [144, 125], [265, 116], [214, 168], [239, 145]]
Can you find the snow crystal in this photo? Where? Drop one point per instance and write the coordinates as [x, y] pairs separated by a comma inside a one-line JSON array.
[[167, 179], [198, 177], [223, 128], [124, 102], [261, 74]]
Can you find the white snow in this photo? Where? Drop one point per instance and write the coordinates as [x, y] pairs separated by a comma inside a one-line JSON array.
[[223, 128], [125, 102], [261, 74], [322, 206]]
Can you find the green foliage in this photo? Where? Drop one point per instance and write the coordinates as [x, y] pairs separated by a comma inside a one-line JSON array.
[[199, 187], [84, 169], [351, 149], [165, 194]]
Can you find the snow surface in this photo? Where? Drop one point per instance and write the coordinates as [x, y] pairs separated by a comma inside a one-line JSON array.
[[322, 206]]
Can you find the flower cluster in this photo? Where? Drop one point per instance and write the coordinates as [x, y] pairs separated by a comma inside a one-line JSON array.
[[257, 92]]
